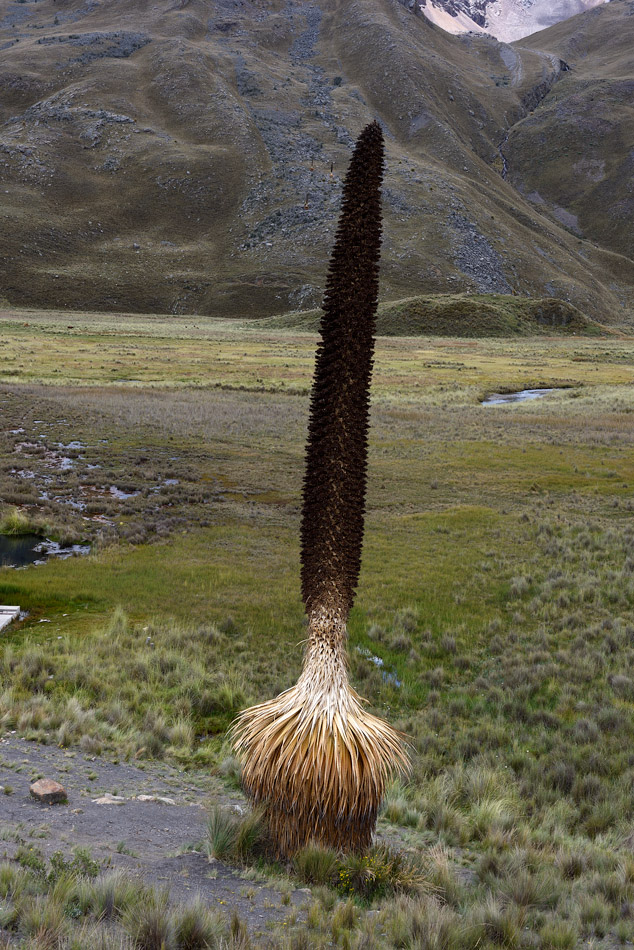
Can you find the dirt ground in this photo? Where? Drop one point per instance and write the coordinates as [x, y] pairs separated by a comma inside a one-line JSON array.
[[161, 843]]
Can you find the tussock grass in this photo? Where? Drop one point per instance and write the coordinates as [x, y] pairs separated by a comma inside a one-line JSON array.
[[231, 837], [45, 909], [197, 927], [152, 924], [114, 895], [501, 599], [15, 522], [423, 922], [94, 703], [315, 864]]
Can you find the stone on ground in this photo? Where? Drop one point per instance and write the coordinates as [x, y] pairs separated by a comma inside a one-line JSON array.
[[49, 792]]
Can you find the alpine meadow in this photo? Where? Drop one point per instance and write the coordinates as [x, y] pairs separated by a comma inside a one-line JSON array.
[[316, 475]]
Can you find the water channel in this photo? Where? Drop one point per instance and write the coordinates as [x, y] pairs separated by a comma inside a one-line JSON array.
[[499, 399]]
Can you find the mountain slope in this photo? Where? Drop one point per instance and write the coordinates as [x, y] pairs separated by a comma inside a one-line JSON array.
[[575, 155], [177, 156]]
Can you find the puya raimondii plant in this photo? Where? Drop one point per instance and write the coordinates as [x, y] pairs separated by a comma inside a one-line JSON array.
[[313, 758]]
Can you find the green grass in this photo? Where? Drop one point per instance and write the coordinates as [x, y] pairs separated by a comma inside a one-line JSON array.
[[463, 315], [15, 523]]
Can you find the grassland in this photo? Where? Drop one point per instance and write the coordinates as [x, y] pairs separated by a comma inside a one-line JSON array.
[[464, 315], [497, 589]]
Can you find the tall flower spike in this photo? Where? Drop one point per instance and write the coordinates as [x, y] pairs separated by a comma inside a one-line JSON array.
[[337, 449], [313, 757]]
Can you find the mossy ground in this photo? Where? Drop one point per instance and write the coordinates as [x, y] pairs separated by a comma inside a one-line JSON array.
[[497, 589]]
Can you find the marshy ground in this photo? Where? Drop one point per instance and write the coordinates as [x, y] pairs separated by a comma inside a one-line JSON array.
[[497, 589]]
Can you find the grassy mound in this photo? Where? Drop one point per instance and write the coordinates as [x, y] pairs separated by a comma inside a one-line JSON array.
[[466, 315]]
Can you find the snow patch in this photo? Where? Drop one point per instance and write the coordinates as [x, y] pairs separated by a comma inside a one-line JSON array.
[[507, 20], [462, 23], [510, 20]]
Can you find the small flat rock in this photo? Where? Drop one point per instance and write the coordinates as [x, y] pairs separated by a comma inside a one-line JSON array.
[[47, 791], [109, 799], [155, 798]]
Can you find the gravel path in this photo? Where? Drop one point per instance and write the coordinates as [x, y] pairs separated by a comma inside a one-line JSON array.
[[161, 843]]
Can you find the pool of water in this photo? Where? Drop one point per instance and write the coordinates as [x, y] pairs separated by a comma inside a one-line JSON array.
[[31, 549], [387, 676], [498, 399]]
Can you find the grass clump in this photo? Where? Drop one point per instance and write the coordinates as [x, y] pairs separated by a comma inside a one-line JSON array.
[[196, 927], [422, 922], [152, 924], [158, 926], [316, 864], [558, 935], [42, 919], [115, 894], [499, 924], [62, 910], [232, 837], [15, 522]]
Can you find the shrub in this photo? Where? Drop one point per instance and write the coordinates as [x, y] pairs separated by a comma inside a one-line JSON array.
[[80, 865], [380, 872], [31, 858]]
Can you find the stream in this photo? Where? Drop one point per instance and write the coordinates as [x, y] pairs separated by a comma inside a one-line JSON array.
[[499, 399]]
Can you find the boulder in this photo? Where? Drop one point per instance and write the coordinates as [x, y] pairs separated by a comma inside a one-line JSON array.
[[49, 792]]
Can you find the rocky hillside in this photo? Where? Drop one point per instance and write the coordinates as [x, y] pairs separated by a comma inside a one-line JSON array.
[[574, 156], [187, 155]]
